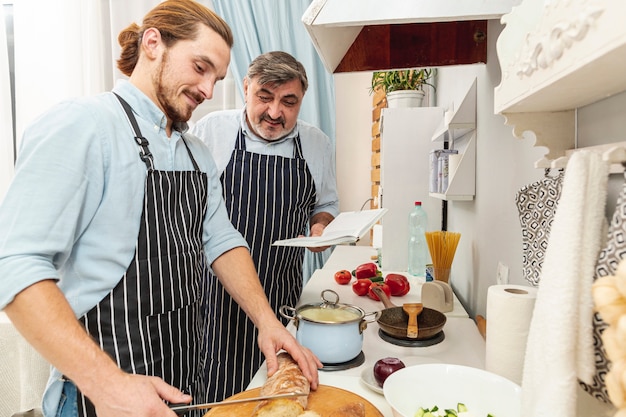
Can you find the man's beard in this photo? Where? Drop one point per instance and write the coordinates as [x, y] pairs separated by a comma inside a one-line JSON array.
[[267, 133], [171, 111]]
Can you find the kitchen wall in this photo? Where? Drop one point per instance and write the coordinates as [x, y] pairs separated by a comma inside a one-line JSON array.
[[489, 224]]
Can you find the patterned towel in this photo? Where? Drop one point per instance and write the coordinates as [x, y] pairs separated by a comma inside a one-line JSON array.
[[537, 205]]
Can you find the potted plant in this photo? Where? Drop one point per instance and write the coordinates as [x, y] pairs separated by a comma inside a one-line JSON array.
[[403, 86]]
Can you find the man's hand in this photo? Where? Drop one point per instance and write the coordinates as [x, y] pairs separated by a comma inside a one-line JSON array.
[[135, 395], [317, 225], [275, 337]]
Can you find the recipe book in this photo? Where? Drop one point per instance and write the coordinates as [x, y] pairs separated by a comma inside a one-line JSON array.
[[347, 227]]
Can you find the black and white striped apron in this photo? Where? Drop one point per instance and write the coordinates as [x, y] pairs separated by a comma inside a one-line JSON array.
[[268, 197], [151, 322]]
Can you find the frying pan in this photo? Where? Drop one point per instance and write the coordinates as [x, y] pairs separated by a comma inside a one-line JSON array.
[[394, 321]]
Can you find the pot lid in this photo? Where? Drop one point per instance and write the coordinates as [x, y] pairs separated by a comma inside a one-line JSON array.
[[330, 310]]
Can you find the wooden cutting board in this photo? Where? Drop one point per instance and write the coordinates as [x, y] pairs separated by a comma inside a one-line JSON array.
[[323, 401]]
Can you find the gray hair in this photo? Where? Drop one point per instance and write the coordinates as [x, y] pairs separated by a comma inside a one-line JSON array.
[[277, 67]]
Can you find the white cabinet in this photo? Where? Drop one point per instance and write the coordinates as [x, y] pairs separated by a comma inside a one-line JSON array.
[[404, 176], [555, 57]]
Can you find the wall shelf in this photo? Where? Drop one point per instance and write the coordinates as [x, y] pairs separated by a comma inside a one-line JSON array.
[[556, 57], [460, 126], [462, 178], [459, 122]]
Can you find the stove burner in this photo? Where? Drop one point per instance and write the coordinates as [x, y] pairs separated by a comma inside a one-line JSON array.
[[437, 338], [352, 363]]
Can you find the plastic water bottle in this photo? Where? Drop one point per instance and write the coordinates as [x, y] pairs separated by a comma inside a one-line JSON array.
[[418, 248]]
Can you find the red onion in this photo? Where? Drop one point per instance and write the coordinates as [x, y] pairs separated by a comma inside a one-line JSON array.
[[385, 367]]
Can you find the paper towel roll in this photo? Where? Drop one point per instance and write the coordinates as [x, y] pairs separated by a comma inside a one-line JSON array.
[[454, 160], [509, 311]]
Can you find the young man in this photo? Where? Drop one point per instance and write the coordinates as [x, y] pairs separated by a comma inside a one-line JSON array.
[[114, 217], [278, 175]]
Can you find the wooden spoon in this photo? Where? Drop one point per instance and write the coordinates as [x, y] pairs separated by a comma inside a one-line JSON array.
[[413, 310]]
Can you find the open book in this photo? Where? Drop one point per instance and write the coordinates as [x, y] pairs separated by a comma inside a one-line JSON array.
[[348, 227]]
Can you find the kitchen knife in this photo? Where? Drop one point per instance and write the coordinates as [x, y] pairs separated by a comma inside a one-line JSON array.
[[181, 409]]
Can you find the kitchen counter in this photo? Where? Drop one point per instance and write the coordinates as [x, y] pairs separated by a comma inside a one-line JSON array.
[[462, 343], [349, 257]]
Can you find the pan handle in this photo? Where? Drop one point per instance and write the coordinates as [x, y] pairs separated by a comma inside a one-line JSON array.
[[382, 296]]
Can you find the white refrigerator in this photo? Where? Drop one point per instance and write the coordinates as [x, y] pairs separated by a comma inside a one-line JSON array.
[[406, 142]]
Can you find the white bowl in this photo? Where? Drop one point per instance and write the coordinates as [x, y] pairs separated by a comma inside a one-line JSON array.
[[445, 385]]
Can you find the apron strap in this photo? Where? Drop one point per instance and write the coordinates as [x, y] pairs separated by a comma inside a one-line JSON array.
[[193, 161], [297, 148], [144, 152]]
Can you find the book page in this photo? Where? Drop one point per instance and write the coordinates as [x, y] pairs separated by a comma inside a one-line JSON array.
[[353, 223], [347, 227]]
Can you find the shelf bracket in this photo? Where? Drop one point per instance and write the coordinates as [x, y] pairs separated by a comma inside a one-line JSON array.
[[554, 130]]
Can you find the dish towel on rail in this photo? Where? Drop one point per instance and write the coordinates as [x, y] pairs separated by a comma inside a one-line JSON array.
[[559, 348]]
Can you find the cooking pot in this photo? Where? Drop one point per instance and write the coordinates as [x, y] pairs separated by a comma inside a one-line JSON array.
[[331, 330], [394, 321]]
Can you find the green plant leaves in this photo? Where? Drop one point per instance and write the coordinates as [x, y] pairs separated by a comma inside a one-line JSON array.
[[406, 79]]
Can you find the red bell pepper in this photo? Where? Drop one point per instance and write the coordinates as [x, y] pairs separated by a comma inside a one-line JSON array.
[[398, 284], [368, 270], [382, 286], [361, 286]]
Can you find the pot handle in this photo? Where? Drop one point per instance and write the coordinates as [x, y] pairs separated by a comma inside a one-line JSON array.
[[376, 314], [287, 312], [290, 313]]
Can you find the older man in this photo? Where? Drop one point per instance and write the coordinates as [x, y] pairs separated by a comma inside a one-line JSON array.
[[278, 177]]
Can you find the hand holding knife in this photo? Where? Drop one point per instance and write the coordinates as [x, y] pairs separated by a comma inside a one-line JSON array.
[[181, 409]]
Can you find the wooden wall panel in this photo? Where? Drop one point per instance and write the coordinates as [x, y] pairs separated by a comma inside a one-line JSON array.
[[378, 103], [383, 47]]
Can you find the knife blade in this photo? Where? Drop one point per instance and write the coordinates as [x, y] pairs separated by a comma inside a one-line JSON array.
[[183, 408]]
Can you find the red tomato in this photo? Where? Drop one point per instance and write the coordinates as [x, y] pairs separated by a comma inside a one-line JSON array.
[[343, 277], [382, 286], [361, 286], [398, 284]]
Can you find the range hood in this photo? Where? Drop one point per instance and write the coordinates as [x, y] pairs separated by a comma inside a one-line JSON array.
[[366, 35]]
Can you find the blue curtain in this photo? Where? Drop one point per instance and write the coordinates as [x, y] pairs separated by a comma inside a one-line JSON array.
[[261, 26]]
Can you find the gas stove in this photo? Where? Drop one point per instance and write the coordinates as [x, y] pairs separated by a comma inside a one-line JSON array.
[[435, 339], [352, 363]]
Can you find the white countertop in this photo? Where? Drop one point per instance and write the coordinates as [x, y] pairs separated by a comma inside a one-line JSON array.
[[462, 345], [349, 257]]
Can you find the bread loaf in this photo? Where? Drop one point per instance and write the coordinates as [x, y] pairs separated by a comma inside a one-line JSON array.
[[287, 379]]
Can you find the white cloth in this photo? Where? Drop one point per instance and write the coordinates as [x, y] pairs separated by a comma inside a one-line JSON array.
[[23, 372], [560, 341]]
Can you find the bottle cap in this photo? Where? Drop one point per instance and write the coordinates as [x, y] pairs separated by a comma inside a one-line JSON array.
[[418, 203]]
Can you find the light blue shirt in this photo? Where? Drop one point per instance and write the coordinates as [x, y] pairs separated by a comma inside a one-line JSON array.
[[73, 210], [219, 132]]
